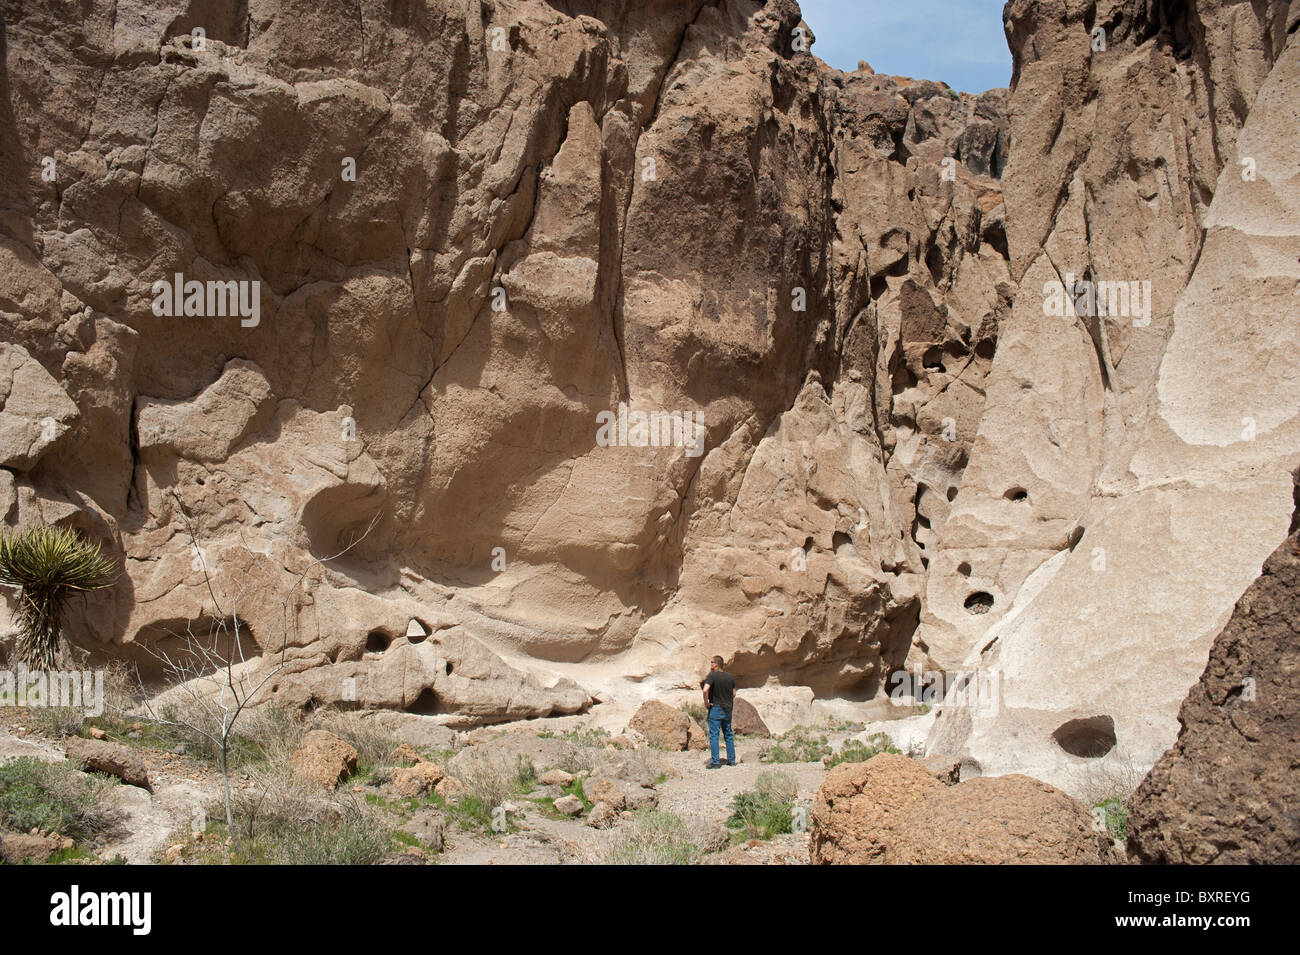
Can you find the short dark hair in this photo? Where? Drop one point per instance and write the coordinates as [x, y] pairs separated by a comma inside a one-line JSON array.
[[718, 661]]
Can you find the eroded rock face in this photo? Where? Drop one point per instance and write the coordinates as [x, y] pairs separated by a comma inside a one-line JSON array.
[[577, 345], [1130, 474], [1225, 791], [428, 251]]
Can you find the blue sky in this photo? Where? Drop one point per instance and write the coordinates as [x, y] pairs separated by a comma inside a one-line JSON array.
[[957, 41]]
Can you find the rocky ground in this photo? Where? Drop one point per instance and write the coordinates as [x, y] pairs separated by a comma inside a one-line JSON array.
[[157, 826], [364, 788]]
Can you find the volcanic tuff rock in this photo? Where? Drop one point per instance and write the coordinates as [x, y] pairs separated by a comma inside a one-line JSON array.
[[395, 479], [892, 810], [1131, 471], [1226, 791], [409, 430]]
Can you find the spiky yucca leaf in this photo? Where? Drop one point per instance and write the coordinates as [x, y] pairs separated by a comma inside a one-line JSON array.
[[48, 563]]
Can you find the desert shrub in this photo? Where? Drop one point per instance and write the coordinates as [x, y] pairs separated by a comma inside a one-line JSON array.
[[656, 838], [48, 565], [264, 733], [696, 712], [595, 736], [796, 745], [282, 821], [57, 722], [767, 809], [575, 759], [492, 778], [1114, 812], [54, 797], [1107, 786], [856, 751]]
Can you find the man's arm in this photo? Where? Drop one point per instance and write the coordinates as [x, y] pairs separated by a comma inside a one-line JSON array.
[[705, 687]]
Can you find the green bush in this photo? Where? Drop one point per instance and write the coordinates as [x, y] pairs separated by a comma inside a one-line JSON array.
[[767, 809], [54, 797], [657, 838], [1115, 813], [796, 745], [856, 751]]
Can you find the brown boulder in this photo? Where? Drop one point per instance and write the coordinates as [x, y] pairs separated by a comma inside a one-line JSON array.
[[115, 759], [745, 720], [859, 806], [997, 820], [16, 847], [663, 726], [323, 759], [606, 791], [417, 780]]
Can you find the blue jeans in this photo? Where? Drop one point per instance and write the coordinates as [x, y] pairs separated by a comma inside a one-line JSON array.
[[721, 719]]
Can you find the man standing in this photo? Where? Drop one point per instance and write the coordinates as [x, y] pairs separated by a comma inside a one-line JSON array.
[[719, 697]]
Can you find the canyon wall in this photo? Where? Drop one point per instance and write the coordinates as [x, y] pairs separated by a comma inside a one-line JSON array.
[[593, 339]]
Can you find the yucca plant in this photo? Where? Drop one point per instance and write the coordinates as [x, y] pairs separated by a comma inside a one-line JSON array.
[[48, 564]]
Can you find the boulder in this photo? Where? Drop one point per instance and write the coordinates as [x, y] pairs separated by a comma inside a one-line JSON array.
[[745, 720], [417, 780], [663, 726], [555, 777], [602, 816], [450, 789], [17, 848], [859, 806], [600, 790], [323, 759], [569, 805], [998, 820], [115, 759], [427, 825]]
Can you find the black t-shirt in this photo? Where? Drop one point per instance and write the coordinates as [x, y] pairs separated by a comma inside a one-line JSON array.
[[722, 690]]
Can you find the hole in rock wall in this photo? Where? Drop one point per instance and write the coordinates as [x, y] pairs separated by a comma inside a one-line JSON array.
[[426, 704], [1088, 738], [964, 569], [192, 648], [1076, 535], [952, 494], [979, 602], [1016, 494], [377, 641]]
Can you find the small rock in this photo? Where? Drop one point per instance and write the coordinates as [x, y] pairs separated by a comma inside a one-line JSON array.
[[405, 753], [569, 805], [428, 826], [106, 757], [97, 733], [418, 779], [606, 791], [450, 789], [134, 734], [324, 759], [555, 777], [602, 816]]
